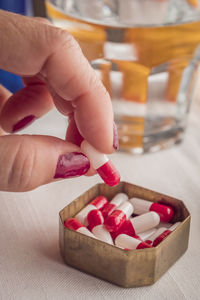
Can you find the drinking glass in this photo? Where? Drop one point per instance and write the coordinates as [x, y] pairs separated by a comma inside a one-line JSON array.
[[146, 53]]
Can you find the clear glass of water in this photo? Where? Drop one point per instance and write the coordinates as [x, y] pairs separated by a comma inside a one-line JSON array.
[[147, 54]]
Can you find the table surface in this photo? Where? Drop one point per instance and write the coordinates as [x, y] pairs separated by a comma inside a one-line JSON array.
[[30, 263]]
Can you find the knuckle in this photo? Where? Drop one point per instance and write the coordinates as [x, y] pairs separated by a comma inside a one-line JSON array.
[[96, 84], [94, 81], [83, 74], [68, 40], [62, 38]]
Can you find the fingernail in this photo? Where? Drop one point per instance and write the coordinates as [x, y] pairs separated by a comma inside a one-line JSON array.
[[71, 164], [23, 123], [115, 137]]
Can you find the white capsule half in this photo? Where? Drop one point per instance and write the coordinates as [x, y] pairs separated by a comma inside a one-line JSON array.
[[82, 215], [140, 206], [125, 241], [119, 198], [102, 234], [145, 222], [85, 231], [173, 227], [96, 158], [158, 232], [146, 234], [127, 208]]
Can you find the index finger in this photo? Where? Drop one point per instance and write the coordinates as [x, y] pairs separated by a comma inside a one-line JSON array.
[[54, 55], [72, 78]]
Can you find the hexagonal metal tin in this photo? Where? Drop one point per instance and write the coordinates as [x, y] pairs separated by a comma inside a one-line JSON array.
[[125, 268]]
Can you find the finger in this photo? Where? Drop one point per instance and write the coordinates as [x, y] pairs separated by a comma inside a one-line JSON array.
[[42, 20], [52, 53], [72, 78], [29, 161], [4, 95], [25, 106], [73, 136]]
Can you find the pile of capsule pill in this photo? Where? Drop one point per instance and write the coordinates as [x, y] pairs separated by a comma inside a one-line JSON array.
[[113, 223]]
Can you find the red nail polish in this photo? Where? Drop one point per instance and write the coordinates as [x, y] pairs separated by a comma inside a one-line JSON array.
[[23, 123], [72, 164], [115, 137]]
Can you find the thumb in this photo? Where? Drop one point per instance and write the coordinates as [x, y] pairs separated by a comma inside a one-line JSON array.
[[27, 162]]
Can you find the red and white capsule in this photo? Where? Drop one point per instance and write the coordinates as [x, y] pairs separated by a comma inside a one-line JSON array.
[[113, 204], [75, 225], [160, 235], [116, 219], [101, 164], [139, 224], [128, 229], [141, 206], [130, 243], [95, 221], [98, 203], [143, 235]]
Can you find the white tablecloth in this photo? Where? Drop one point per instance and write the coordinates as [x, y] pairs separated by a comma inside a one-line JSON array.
[[30, 263]]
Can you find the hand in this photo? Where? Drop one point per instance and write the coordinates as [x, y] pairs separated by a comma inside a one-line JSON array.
[[55, 72]]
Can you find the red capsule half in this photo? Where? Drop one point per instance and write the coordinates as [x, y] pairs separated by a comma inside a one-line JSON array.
[[115, 220], [161, 237], [95, 218], [109, 174], [100, 202], [73, 224], [108, 209], [143, 245], [119, 216], [126, 228], [165, 212]]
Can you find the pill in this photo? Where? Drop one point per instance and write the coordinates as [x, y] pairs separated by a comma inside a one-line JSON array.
[[101, 164], [141, 206], [144, 235], [98, 203], [75, 225], [145, 222], [130, 243], [95, 217], [116, 219], [127, 228], [102, 234], [113, 204], [141, 223], [160, 235], [152, 237], [95, 221]]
